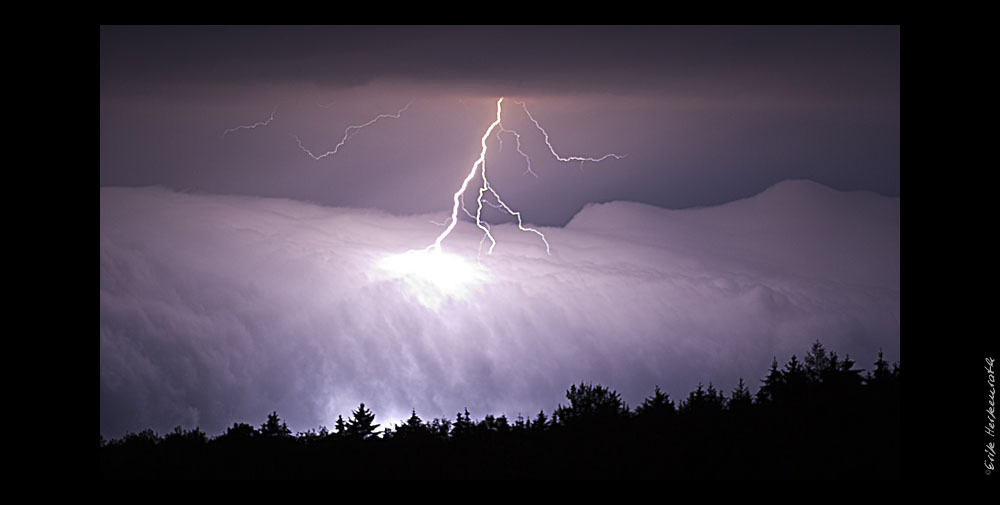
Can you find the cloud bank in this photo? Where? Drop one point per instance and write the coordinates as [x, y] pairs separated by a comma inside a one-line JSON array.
[[218, 309]]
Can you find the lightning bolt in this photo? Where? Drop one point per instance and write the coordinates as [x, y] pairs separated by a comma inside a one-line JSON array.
[[517, 137], [349, 132], [581, 159], [255, 125], [480, 166]]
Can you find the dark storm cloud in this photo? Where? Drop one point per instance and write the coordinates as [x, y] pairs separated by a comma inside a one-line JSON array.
[[818, 62], [705, 114], [221, 309]]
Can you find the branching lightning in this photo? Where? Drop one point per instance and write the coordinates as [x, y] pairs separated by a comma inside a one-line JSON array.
[[480, 165], [451, 275], [348, 133], [255, 125], [517, 137], [581, 159], [436, 246]]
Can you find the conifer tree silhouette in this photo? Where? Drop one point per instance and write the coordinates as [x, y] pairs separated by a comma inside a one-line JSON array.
[[240, 431], [463, 425], [881, 373], [740, 399], [413, 428], [591, 403], [541, 422], [770, 388], [817, 362], [274, 427], [658, 405], [823, 399], [440, 428], [361, 425]]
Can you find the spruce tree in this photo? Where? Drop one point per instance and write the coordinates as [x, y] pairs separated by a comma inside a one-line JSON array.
[[740, 398], [770, 388], [274, 427], [361, 425]]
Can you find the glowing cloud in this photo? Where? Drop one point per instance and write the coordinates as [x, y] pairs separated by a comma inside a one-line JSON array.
[[216, 309], [432, 276]]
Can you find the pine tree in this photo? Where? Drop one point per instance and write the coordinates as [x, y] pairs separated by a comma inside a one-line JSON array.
[[659, 404], [463, 425], [413, 427], [714, 398], [881, 372], [655, 413], [240, 431], [844, 376], [503, 425], [440, 428], [414, 422], [694, 400], [816, 362], [703, 402], [740, 399], [541, 422], [796, 381], [340, 426], [770, 388], [519, 423], [361, 426], [274, 427]]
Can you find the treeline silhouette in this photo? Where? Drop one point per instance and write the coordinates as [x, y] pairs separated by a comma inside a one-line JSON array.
[[815, 418]]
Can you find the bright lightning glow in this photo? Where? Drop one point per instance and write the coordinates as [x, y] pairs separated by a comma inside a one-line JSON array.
[[581, 159], [348, 133], [255, 125], [433, 276]]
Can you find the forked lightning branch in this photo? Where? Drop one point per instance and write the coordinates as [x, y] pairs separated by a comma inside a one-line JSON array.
[[486, 190]]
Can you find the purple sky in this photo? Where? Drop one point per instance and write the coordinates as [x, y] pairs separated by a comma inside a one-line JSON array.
[[706, 114], [218, 305]]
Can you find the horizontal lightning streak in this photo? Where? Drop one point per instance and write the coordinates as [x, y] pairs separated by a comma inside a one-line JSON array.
[[255, 125], [349, 132], [581, 159]]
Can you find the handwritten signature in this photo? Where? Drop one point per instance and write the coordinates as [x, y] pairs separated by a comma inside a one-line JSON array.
[[990, 418]]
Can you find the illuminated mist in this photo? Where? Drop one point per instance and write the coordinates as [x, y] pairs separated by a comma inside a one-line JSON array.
[[218, 309]]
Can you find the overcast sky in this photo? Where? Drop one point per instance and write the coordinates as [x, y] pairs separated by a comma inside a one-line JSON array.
[[705, 114]]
